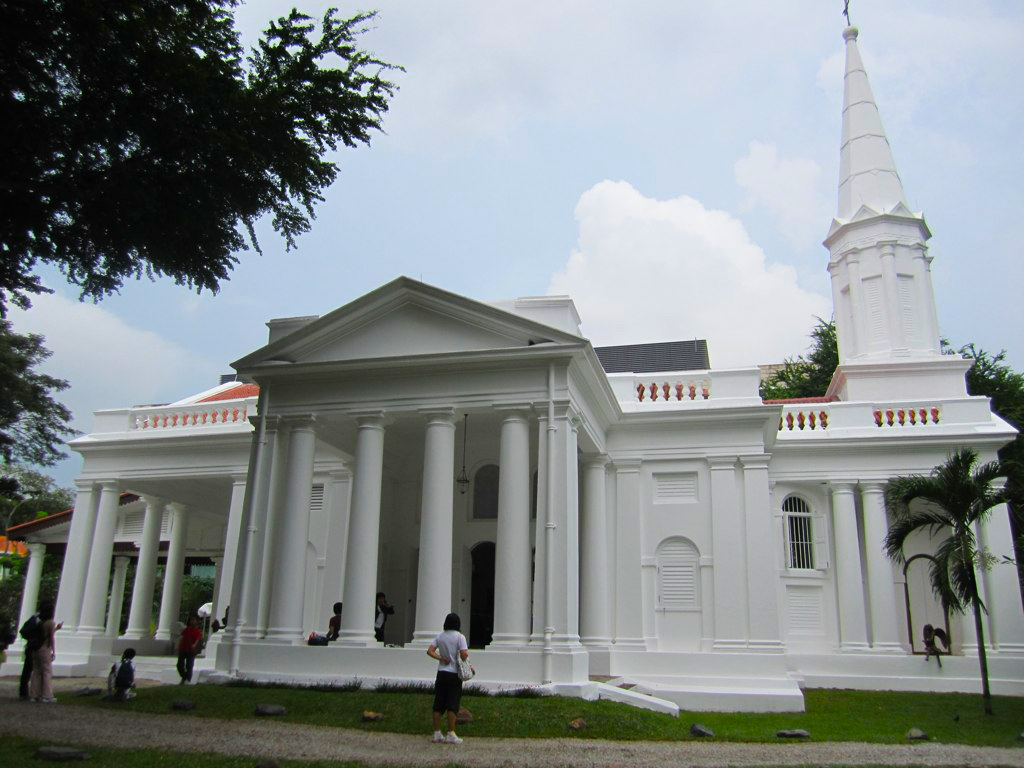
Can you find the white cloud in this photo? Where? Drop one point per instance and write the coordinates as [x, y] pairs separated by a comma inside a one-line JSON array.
[[659, 270], [108, 363], [791, 189]]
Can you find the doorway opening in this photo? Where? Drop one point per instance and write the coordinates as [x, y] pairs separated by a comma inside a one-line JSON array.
[[481, 615], [923, 607]]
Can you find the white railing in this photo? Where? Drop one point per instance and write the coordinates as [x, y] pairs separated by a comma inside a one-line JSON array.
[[682, 389], [867, 417], [809, 417], [218, 413]]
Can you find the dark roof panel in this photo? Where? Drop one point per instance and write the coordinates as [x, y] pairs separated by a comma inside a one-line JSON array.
[[662, 356]]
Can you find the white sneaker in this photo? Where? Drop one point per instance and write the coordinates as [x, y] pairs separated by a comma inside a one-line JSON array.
[[452, 738], [438, 738]]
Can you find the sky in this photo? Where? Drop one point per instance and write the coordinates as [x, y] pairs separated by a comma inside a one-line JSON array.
[[670, 165]]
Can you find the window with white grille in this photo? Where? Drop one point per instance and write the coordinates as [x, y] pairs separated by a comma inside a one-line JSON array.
[[800, 534], [678, 564]]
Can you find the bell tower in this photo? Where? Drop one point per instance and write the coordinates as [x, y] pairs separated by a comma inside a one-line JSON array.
[[884, 304]]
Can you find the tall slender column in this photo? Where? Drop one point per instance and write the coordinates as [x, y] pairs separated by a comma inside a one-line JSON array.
[[512, 555], [594, 625], [853, 636], [337, 539], [881, 589], [364, 534], [269, 497], [290, 574], [140, 614], [728, 547], [891, 289], [765, 634], [1001, 587], [226, 567], [539, 537], [116, 596], [218, 576], [434, 572], [30, 592], [174, 570], [94, 601], [628, 584], [564, 611], [76, 558]]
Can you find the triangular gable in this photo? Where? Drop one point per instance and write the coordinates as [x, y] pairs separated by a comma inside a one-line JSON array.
[[401, 319]]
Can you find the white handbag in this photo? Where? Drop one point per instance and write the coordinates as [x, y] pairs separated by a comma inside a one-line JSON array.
[[466, 671]]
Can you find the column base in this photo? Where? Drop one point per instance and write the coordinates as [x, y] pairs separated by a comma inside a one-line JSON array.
[[888, 648], [162, 634], [421, 638], [91, 631], [135, 635], [858, 646], [629, 644], [730, 645], [356, 638], [283, 637], [596, 642], [506, 639]]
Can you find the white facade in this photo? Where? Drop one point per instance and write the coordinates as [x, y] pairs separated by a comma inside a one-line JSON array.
[[668, 528]]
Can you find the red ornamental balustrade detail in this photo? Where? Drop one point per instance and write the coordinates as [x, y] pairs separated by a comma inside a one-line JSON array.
[[905, 417], [808, 421], [640, 392], [668, 391]]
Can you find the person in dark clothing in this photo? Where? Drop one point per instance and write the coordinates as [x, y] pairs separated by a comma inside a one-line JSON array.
[[334, 625], [190, 643], [381, 618]]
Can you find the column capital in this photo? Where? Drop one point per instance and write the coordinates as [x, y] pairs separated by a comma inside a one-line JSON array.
[[370, 419], [443, 414], [522, 408], [872, 486], [109, 485], [35, 548], [719, 463], [152, 501], [596, 459], [627, 466], [756, 460], [84, 486], [299, 421], [121, 560], [842, 486]]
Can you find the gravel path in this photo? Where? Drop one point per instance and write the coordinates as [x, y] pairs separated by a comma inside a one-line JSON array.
[[87, 726]]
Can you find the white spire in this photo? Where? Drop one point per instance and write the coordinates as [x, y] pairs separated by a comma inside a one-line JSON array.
[[867, 173]]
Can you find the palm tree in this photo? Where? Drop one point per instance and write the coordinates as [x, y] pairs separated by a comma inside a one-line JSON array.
[[957, 495]]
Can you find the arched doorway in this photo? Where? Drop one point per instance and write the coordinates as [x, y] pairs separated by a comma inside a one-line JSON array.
[[481, 616], [923, 607]]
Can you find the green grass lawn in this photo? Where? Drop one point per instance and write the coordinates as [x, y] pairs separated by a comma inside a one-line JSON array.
[[830, 716]]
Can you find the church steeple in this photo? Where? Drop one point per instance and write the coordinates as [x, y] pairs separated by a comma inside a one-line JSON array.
[[867, 173], [882, 294]]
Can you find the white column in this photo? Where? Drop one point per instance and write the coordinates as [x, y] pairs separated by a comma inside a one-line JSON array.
[[765, 634], [94, 601], [364, 534], [269, 496], [76, 557], [881, 588], [853, 635], [218, 576], [226, 566], [628, 582], [116, 596], [594, 625], [539, 537], [1001, 587], [512, 555], [434, 572], [140, 614], [729, 553], [564, 611], [285, 621], [30, 592], [174, 570], [337, 539]]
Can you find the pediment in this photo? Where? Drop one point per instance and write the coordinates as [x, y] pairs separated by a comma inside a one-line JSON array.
[[404, 319]]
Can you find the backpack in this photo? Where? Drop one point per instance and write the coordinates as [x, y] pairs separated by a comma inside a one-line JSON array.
[[124, 678], [32, 632]]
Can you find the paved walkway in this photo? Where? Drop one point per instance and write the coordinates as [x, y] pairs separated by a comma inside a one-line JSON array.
[[88, 726]]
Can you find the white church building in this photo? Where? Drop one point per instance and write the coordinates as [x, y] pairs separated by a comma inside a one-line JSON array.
[[626, 514]]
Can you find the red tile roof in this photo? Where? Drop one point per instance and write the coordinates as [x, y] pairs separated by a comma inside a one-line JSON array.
[[801, 400], [235, 393], [8, 547]]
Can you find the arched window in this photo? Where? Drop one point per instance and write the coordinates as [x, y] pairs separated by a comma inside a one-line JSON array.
[[678, 563], [485, 493], [806, 547]]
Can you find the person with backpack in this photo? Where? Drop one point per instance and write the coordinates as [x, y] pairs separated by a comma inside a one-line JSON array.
[[30, 633], [121, 679], [41, 682]]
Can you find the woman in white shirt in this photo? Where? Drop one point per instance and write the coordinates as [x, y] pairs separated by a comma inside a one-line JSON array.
[[446, 648]]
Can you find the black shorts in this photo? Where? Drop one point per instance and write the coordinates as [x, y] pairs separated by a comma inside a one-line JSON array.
[[447, 692]]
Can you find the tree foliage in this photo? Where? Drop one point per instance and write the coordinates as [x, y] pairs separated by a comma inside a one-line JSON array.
[[807, 376], [137, 140], [26, 495], [32, 423], [956, 495]]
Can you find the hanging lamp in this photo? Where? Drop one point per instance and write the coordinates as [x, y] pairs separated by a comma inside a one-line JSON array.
[[463, 479]]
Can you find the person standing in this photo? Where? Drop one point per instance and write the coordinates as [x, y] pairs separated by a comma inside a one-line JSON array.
[[381, 618], [446, 648], [41, 683], [189, 643], [30, 633]]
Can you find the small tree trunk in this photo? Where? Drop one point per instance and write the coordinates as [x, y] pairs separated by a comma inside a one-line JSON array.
[[986, 694]]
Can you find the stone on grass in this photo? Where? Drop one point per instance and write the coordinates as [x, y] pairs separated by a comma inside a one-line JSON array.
[[270, 710], [793, 733], [60, 754], [371, 717], [463, 717], [701, 731], [577, 724], [87, 691], [183, 705], [916, 734]]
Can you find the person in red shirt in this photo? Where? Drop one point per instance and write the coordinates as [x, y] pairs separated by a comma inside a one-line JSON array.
[[188, 646]]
